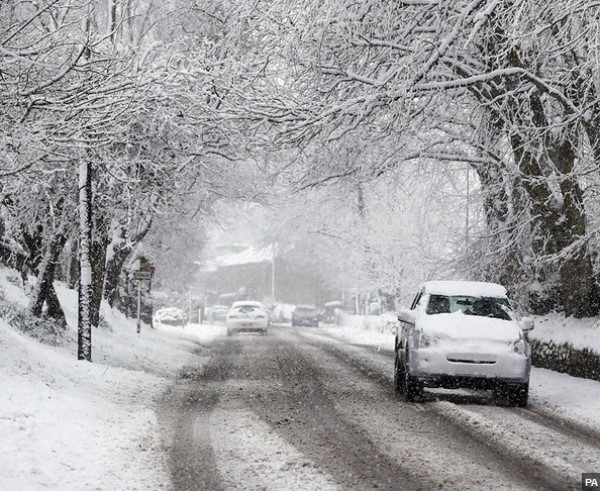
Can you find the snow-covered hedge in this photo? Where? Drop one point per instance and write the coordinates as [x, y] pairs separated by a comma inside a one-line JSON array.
[[566, 358]]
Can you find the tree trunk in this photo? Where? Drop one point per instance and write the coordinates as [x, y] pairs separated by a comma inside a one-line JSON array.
[[74, 266], [34, 245], [84, 338], [114, 267], [98, 255], [118, 253], [12, 258], [54, 309], [44, 291], [576, 270], [544, 217]]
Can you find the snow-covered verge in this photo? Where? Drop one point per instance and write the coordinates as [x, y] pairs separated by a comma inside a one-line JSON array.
[[575, 399], [385, 322], [567, 345], [361, 335], [581, 333], [67, 424]]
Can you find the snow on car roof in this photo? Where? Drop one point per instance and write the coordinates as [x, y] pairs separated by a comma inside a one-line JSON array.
[[468, 288], [246, 303]]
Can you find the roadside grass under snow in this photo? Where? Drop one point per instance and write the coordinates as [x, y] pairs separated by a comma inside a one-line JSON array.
[[67, 424]]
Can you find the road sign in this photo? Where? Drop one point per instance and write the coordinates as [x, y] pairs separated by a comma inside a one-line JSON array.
[[142, 276]]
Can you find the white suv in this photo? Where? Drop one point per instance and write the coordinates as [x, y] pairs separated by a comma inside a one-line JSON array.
[[463, 334]]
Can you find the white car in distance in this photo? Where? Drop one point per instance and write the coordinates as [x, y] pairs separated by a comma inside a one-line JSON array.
[[247, 316], [463, 334]]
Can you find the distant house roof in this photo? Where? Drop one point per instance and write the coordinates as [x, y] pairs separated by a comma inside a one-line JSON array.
[[250, 255]]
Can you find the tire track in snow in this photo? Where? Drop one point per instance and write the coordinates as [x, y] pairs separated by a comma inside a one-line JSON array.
[[546, 441], [553, 420], [185, 413], [301, 412], [419, 440], [556, 422], [251, 455], [547, 470], [509, 442]]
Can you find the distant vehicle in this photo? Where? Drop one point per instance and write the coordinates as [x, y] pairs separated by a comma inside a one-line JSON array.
[[330, 315], [246, 316], [217, 313], [463, 334], [170, 316], [305, 315], [282, 313]]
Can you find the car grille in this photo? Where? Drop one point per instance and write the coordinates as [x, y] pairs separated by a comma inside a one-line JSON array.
[[476, 362]]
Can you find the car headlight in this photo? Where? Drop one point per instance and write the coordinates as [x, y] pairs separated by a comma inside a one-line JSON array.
[[518, 346], [425, 341]]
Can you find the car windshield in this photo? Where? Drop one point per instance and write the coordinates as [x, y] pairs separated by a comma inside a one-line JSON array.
[[246, 309], [497, 308], [306, 310]]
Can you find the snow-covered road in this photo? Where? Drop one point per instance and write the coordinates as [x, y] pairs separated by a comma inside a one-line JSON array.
[[302, 409]]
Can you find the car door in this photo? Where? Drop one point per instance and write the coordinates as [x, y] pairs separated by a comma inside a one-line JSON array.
[[404, 335], [410, 332]]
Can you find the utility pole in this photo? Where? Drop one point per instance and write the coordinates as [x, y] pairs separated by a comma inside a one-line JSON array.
[[273, 271], [467, 210], [139, 307], [140, 277]]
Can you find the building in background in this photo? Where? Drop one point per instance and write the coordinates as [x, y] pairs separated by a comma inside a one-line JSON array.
[[237, 271]]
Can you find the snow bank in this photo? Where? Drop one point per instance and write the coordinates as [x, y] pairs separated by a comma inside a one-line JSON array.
[[576, 399], [67, 424], [357, 334], [74, 425], [581, 333], [386, 322]]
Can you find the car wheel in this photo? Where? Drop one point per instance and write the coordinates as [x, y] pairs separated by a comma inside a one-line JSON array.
[[412, 388], [511, 394], [264, 332], [398, 375], [229, 333], [517, 395]]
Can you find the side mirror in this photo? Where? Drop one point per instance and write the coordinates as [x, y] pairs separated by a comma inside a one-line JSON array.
[[526, 324], [406, 315]]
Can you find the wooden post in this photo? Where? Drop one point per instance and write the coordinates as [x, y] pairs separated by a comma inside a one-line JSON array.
[[139, 307]]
